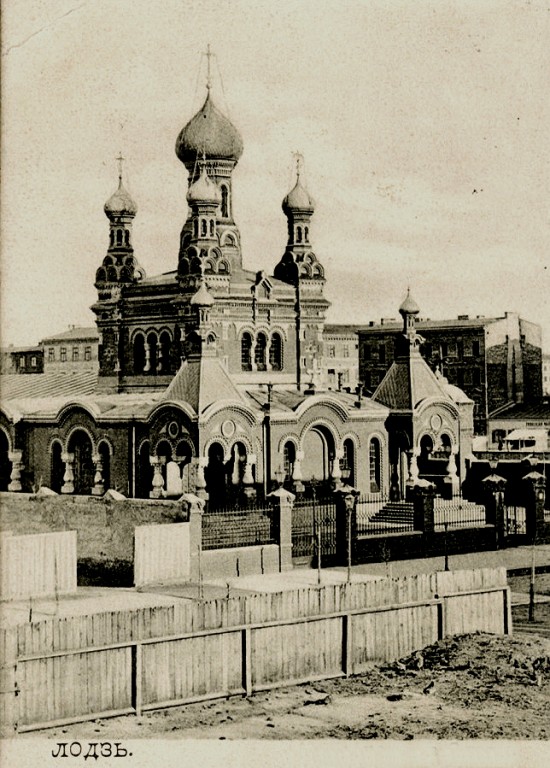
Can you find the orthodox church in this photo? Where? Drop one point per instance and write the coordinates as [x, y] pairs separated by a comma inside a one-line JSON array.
[[206, 376]]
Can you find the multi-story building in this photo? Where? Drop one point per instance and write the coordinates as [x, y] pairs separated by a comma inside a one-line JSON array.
[[340, 357], [495, 360], [546, 375], [21, 360], [73, 350]]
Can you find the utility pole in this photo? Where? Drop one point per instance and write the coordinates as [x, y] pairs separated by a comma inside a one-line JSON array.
[[267, 441]]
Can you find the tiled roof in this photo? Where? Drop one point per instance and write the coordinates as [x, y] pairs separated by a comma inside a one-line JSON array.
[[521, 411], [40, 385], [393, 326], [409, 381], [74, 334], [201, 382]]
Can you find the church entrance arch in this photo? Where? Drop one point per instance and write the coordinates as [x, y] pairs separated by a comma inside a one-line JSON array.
[[5, 463], [80, 445], [319, 452], [215, 476]]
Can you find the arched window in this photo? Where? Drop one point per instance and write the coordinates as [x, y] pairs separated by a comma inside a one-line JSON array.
[[225, 202], [203, 228], [222, 268], [105, 456], [57, 468], [299, 234], [246, 352], [289, 457], [259, 352], [126, 237], [119, 237], [112, 237], [211, 227], [347, 463], [306, 234], [81, 446], [139, 353], [196, 227], [153, 359], [112, 274], [164, 352], [374, 465], [276, 352]]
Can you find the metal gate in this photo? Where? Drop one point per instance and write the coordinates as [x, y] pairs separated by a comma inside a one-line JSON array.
[[515, 526], [313, 528]]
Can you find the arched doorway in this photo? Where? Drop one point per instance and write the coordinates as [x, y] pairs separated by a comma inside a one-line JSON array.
[[105, 458], [289, 459], [347, 463], [80, 445], [57, 467], [5, 463], [319, 453], [215, 476], [424, 459], [144, 478]]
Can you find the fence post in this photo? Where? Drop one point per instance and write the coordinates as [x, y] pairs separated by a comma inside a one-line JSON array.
[[283, 502], [346, 524], [423, 502], [534, 506], [494, 486], [195, 507]]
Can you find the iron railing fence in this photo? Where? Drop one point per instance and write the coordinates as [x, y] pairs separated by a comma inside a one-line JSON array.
[[515, 521], [239, 526], [313, 527], [458, 513]]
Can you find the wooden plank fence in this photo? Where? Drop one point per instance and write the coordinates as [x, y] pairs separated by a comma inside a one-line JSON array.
[[37, 565], [162, 553], [83, 667]]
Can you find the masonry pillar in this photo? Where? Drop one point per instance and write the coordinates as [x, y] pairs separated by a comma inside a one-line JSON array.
[[68, 477], [99, 483], [346, 523], [451, 482], [158, 480], [17, 466], [195, 509], [494, 486], [200, 481], [423, 502], [534, 506], [283, 502]]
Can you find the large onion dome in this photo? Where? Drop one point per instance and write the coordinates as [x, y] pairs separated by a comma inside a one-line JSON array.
[[409, 306], [204, 190], [120, 203], [298, 199], [209, 133]]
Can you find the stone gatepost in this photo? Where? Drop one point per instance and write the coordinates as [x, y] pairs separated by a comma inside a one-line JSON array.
[[99, 483], [534, 505], [68, 476], [423, 506], [494, 486], [346, 523], [195, 509], [283, 502], [17, 466]]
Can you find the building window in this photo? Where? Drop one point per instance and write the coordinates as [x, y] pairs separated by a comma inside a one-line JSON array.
[[467, 351], [452, 350], [476, 348], [21, 362], [332, 350], [345, 350], [51, 354], [276, 352], [382, 353], [289, 457], [139, 353], [63, 354], [366, 352], [33, 362], [444, 349], [87, 353], [347, 463], [259, 352], [374, 465], [246, 351], [476, 377], [75, 354], [225, 202]]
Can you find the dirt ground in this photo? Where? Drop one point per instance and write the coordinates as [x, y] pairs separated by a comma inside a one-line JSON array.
[[471, 686]]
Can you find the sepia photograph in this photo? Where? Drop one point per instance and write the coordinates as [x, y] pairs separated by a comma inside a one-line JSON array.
[[275, 382]]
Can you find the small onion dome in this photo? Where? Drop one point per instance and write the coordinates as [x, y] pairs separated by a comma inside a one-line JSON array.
[[120, 203], [209, 133], [409, 306], [203, 190], [298, 199], [202, 298]]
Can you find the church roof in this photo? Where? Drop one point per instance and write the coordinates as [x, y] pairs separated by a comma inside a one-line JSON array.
[[407, 383], [45, 385], [298, 199], [121, 202], [209, 133], [200, 382]]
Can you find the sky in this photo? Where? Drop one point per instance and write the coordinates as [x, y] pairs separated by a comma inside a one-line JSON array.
[[424, 129]]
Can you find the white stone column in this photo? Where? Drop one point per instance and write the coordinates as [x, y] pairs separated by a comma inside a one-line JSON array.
[[147, 349], [17, 467], [248, 477], [452, 477], [297, 474], [158, 480], [99, 483], [200, 481], [335, 470], [68, 477]]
